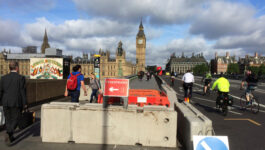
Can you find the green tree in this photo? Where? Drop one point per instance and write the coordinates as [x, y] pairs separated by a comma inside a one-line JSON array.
[[262, 69], [200, 69], [233, 68], [254, 69]]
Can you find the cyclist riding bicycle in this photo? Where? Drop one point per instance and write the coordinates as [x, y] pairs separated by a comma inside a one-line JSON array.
[[172, 78], [207, 81], [251, 84], [187, 80], [223, 86]]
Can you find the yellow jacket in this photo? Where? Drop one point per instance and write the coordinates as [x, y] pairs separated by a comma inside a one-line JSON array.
[[222, 84]]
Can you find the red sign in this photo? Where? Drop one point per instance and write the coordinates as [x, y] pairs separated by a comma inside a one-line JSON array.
[[116, 87]]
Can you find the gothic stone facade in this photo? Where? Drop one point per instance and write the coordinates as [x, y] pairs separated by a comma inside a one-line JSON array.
[[109, 67], [140, 48]]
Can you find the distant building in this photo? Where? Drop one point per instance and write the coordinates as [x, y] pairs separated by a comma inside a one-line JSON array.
[[29, 49], [109, 67], [23, 59], [249, 61], [140, 48], [182, 64], [220, 63]]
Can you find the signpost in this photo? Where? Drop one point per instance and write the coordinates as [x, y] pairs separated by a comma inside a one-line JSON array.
[[210, 143], [116, 88], [97, 66]]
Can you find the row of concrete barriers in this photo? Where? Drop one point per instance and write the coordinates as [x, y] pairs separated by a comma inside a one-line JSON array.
[[190, 120], [63, 122]]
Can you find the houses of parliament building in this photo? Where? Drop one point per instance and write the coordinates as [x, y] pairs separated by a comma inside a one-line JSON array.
[[109, 67], [119, 66]]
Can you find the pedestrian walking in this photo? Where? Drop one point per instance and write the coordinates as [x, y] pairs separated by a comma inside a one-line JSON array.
[[147, 75], [13, 98], [95, 86], [74, 82]]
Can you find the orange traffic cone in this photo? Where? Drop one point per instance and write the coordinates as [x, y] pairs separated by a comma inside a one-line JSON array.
[[188, 99]]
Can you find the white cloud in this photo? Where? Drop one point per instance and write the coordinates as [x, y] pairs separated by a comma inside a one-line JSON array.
[[157, 11], [10, 32], [223, 19]]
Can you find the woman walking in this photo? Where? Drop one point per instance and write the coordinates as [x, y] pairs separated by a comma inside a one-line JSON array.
[[95, 86]]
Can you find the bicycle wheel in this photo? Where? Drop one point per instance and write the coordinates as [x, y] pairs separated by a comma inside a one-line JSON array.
[[243, 102], [255, 105], [224, 110]]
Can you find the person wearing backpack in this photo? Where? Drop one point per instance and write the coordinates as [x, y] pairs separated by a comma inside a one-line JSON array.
[[74, 82], [95, 86]]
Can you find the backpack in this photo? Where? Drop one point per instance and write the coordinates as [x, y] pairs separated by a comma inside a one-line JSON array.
[[72, 82]]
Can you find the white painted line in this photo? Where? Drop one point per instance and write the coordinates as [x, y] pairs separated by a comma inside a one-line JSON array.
[[204, 99], [235, 112], [205, 146]]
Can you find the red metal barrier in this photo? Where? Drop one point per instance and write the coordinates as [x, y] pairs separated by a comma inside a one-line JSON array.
[[141, 97]]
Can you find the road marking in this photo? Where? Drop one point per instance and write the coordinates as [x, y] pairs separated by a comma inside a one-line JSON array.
[[235, 112], [205, 99], [250, 120], [205, 146]]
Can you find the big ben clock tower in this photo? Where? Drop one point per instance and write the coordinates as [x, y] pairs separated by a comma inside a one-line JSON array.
[[140, 48]]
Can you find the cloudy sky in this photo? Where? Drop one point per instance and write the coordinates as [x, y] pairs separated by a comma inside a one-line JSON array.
[[188, 26]]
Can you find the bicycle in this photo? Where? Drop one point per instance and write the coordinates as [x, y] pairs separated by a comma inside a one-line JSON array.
[[208, 92], [188, 98], [223, 101], [253, 102]]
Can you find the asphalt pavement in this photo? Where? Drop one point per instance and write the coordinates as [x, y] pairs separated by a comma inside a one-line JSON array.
[[245, 130]]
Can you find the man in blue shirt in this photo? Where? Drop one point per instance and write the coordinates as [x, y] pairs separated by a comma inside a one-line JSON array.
[[80, 82]]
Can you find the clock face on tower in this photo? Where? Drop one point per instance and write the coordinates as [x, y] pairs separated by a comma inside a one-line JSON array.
[[140, 41]]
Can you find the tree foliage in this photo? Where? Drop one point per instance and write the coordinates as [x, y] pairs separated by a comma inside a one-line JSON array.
[[200, 69], [262, 69], [254, 69], [233, 69]]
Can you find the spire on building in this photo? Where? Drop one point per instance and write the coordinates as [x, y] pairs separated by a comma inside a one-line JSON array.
[[141, 30], [119, 49], [45, 43]]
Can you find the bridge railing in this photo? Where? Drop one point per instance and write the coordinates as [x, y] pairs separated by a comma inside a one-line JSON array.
[[41, 90]]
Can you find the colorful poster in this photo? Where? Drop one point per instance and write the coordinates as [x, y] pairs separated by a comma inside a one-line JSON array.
[[46, 68]]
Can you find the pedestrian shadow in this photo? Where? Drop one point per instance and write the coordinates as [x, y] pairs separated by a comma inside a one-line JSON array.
[[33, 130]]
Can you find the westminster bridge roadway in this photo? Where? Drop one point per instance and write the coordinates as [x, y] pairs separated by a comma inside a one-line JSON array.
[[244, 129]]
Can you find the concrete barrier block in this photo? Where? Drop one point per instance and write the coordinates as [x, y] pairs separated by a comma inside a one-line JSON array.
[[96, 125], [157, 127], [115, 125], [56, 123]]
